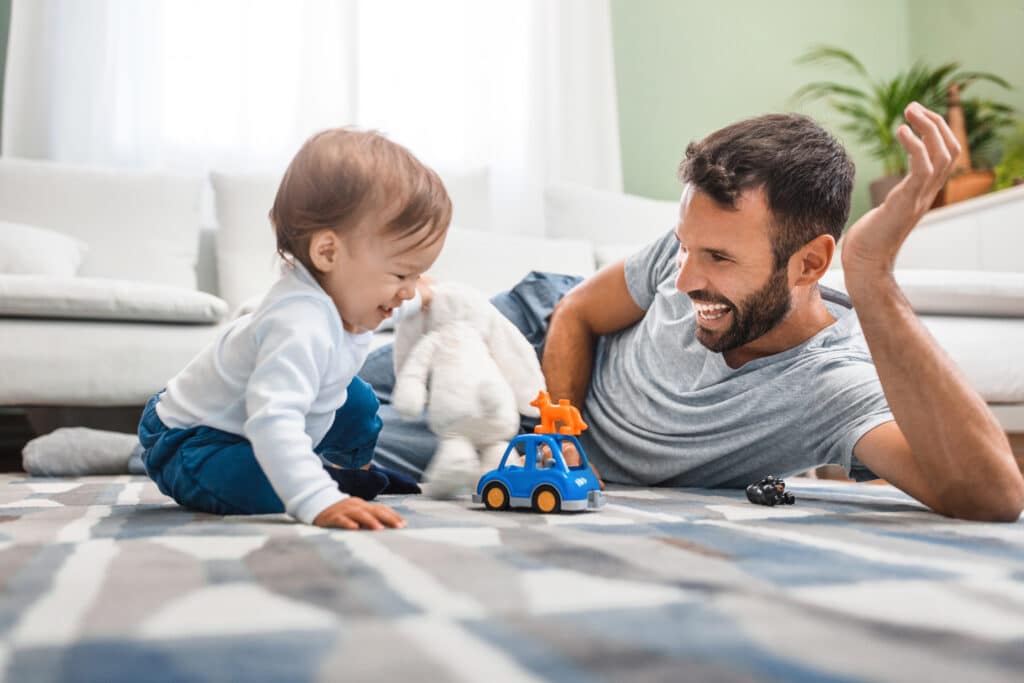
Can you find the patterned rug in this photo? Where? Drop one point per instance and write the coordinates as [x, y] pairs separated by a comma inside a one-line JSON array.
[[104, 579]]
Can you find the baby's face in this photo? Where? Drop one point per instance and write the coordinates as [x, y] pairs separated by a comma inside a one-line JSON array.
[[377, 273]]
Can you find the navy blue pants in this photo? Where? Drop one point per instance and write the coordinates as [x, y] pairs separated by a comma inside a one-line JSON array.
[[206, 469]]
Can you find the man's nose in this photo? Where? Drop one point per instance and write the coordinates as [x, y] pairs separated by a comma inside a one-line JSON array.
[[689, 278]]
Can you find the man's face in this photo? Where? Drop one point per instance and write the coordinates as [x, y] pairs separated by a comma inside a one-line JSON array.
[[727, 269]]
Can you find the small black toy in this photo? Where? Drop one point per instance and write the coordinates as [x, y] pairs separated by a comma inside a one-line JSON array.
[[770, 491]]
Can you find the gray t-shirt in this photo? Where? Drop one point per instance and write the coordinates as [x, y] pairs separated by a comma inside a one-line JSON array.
[[663, 409]]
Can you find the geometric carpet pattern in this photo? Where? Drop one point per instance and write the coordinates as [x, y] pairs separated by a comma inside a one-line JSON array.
[[105, 579]]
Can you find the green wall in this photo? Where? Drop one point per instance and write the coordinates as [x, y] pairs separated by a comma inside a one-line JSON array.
[[985, 35], [685, 68]]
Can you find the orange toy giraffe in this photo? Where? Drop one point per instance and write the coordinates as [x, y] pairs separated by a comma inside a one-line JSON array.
[[551, 415]]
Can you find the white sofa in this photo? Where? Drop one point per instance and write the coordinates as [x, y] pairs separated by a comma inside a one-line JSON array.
[[153, 287]]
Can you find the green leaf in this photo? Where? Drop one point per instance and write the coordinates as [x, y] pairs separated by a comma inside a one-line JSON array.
[[821, 89], [826, 54], [873, 113]]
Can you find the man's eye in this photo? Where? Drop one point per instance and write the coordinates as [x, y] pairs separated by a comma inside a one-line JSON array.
[[718, 258]]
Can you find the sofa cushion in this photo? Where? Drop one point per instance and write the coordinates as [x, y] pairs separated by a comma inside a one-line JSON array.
[[138, 225], [493, 262], [39, 296], [987, 350], [955, 292], [28, 250], [604, 217], [605, 254], [93, 363], [246, 245]]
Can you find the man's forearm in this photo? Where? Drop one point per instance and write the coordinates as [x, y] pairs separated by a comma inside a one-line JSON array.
[[568, 356], [953, 435]]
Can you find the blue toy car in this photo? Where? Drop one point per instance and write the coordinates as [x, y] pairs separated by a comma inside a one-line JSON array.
[[546, 487]]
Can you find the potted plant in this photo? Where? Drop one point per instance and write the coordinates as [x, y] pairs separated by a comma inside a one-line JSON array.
[[1010, 170], [873, 111], [985, 120]]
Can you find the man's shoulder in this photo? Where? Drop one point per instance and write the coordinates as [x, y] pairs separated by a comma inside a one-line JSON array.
[[835, 358], [844, 336], [840, 365]]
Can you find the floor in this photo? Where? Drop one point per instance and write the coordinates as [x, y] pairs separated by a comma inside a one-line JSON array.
[[103, 578]]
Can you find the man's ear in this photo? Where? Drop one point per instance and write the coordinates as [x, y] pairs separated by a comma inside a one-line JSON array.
[[812, 260], [325, 249]]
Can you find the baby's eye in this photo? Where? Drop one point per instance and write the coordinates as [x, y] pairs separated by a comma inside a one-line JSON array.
[[400, 277]]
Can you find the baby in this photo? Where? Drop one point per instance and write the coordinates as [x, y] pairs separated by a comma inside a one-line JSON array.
[[271, 417]]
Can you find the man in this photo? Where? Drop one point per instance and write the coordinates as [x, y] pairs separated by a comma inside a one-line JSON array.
[[712, 358]]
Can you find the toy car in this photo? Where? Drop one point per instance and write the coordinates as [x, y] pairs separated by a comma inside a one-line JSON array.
[[770, 491], [548, 486]]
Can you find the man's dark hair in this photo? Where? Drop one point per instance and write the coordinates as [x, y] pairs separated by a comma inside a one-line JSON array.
[[804, 172]]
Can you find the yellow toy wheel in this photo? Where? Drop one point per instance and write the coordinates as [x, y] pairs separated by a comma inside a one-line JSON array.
[[546, 500], [495, 497]]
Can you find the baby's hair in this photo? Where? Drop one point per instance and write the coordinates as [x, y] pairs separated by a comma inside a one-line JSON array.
[[341, 175]]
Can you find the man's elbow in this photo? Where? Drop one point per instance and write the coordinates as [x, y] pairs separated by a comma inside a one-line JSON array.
[[1011, 507], [1003, 503], [568, 315], [568, 305]]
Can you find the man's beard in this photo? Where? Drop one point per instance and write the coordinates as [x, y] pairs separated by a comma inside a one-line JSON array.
[[755, 317]]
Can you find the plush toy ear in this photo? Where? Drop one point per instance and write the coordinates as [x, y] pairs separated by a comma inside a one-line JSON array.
[[407, 333], [517, 361]]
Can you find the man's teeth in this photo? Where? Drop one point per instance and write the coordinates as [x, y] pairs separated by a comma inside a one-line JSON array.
[[711, 311]]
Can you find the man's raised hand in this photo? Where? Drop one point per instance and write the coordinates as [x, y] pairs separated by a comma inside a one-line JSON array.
[[872, 243]]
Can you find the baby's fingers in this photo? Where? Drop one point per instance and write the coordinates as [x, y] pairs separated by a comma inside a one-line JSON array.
[[366, 519], [340, 521], [387, 516]]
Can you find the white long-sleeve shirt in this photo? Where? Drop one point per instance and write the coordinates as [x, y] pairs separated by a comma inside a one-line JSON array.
[[277, 376]]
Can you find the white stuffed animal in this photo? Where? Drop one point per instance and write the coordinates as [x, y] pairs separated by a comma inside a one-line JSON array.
[[480, 373]]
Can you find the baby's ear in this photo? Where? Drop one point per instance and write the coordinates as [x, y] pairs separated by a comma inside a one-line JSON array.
[[324, 250], [407, 333], [517, 361]]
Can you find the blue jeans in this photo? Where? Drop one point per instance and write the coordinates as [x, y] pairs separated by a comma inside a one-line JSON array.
[[408, 446], [206, 469]]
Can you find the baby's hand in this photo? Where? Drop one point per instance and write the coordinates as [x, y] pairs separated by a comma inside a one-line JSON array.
[[425, 285], [356, 513]]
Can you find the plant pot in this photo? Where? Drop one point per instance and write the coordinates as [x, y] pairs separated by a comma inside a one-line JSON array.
[[965, 186], [880, 188]]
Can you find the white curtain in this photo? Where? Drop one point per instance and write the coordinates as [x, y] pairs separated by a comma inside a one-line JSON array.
[[521, 89]]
